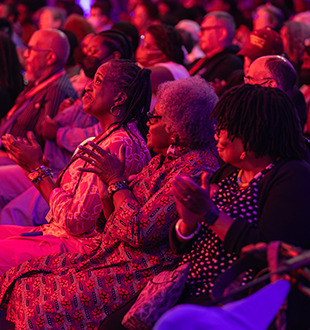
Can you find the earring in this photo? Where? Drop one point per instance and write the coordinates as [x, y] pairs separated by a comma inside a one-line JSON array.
[[115, 114], [242, 156]]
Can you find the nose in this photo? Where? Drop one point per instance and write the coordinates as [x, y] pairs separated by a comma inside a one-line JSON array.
[[216, 137], [89, 87], [148, 124]]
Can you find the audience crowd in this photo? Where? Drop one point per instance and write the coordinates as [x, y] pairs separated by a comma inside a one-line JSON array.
[[147, 135]]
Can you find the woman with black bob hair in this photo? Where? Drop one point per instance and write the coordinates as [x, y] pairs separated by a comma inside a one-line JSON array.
[[260, 195]]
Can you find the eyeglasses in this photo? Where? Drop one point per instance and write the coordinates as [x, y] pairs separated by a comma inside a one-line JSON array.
[[207, 28], [253, 81], [152, 118], [37, 49]]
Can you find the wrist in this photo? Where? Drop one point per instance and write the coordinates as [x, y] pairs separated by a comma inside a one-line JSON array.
[[212, 215], [120, 178], [185, 232]]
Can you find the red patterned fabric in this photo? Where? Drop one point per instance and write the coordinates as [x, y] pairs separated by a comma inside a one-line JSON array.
[[74, 291]]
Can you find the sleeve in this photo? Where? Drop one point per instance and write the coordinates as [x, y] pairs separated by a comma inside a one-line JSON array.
[[150, 222], [284, 215], [78, 212]]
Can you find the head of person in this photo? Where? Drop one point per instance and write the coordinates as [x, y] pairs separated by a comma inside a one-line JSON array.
[[161, 43], [10, 69], [8, 11], [293, 35], [272, 71], [105, 46], [305, 68], [268, 16], [259, 43], [48, 49], [73, 46], [100, 14], [131, 32], [78, 25], [52, 18], [217, 32], [144, 15], [182, 115], [120, 90], [272, 126]]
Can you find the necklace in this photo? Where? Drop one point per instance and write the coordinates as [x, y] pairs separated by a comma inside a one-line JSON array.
[[241, 185]]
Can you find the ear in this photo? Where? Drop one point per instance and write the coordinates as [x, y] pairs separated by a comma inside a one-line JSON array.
[[120, 98], [174, 138], [222, 34], [116, 55], [51, 58], [272, 83]]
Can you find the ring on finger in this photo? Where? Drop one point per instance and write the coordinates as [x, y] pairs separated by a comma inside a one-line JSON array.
[[93, 162], [187, 198]]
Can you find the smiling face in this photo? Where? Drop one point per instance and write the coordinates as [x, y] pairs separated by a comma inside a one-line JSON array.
[[158, 139], [100, 95], [229, 150]]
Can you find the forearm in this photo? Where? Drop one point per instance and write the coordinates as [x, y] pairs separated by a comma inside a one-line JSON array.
[[45, 187]]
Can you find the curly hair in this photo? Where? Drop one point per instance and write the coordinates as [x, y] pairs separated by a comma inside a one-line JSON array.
[[169, 41], [186, 105], [126, 76], [264, 118]]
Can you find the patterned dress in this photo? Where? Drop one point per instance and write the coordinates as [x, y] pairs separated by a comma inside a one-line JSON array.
[[74, 291], [74, 206]]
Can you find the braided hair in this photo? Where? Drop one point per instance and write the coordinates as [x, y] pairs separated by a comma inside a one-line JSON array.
[[135, 82], [264, 118], [169, 41]]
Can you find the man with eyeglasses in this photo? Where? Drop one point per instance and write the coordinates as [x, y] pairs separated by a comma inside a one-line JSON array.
[[277, 72], [216, 35], [48, 85]]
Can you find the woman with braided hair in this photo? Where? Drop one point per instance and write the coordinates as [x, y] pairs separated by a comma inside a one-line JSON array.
[[261, 195], [119, 97], [161, 51], [79, 291]]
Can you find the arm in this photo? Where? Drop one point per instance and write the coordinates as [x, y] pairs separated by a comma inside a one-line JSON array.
[[284, 212]]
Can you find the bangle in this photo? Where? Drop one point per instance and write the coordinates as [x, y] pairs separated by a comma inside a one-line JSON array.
[[189, 237], [38, 174], [116, 186]]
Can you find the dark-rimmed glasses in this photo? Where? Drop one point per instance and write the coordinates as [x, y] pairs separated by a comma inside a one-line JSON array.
[[207, 28], [153, 119], [253, 81], [37, 49]]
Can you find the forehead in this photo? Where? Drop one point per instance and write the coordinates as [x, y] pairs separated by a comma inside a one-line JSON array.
[[97, 42], [209, 21], [104, 69], [148, 38], [95, 11], [36, 37], [46, 14], [140, 10], [258, 67]]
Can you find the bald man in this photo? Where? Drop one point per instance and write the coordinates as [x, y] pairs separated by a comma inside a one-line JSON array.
[[48, 85], [277, 72]]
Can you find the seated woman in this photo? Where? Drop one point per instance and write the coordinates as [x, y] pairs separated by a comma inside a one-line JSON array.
[[260, 195], [118, 97], [160, 50], [80, 290]]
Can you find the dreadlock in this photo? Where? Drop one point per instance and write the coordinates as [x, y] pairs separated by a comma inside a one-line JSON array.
[[128, 77], [264, 118], [169, 41]]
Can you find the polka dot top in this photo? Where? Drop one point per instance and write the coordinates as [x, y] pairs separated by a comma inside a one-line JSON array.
[[207, 256]]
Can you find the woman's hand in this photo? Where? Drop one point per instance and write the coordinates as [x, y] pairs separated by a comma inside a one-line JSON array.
[[108, 167], [27, 153], [195, 198]]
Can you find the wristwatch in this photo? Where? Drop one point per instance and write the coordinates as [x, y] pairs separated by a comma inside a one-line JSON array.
[[212, 216]]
